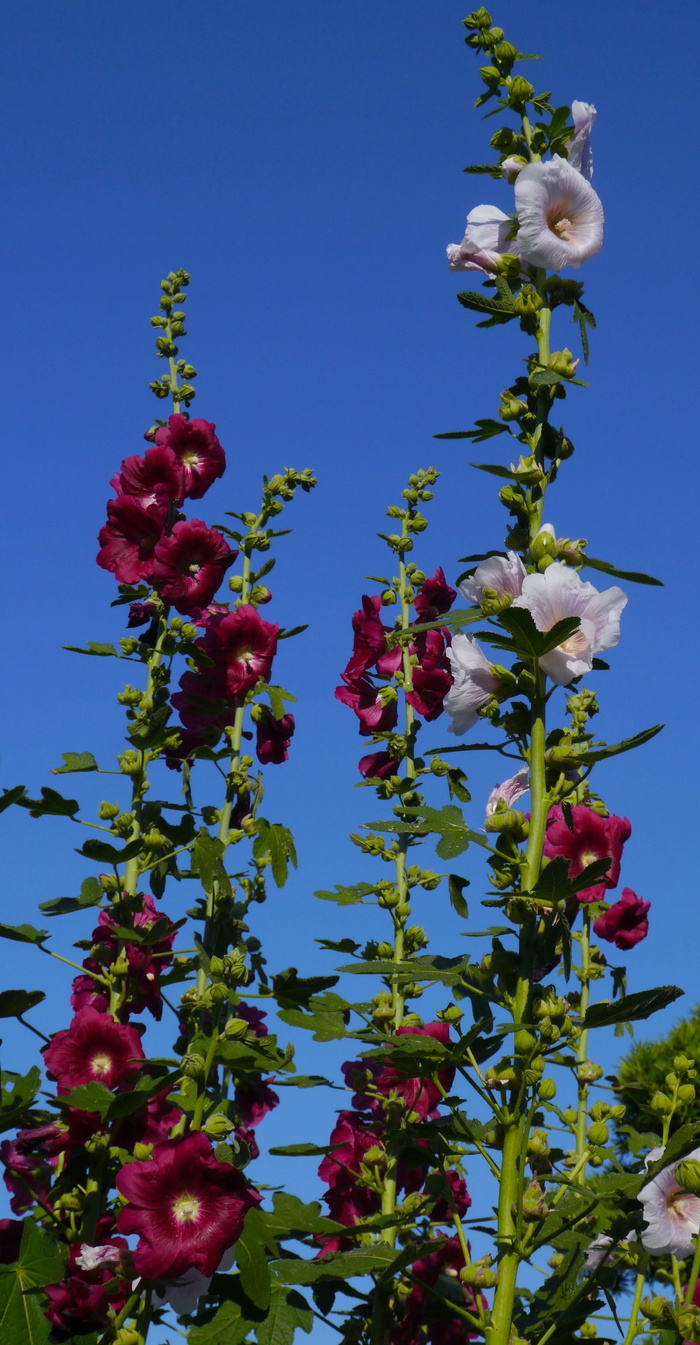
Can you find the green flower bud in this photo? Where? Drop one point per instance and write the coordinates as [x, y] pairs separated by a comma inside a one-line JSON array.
[[535, 1205], [537, 1143], [689, 1323], [688, 1176], [563, 362], [528, 301], [236, 1029], [589, 1073], [479, 1274], [661, 1103], [547, 1090], [544, 544], [588, 1331], [511, 406], [217, 1126], [480, 18], [658, 1310], [509, 819], [598, 1133], [192, 1067], [520, 90], [128, 1335], [452, 1014], [686, 1092], [143, 1151], [682, 1064], [491, 77], [107, 811]]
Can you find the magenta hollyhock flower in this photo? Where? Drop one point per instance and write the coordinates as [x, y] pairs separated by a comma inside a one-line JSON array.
[[370, 634], [435, 597], [10, 1240], [461, 1199], [140, 613], [86, 992], [185, 1207], [430, 686], [151, 1124], [146, 962], [80, 1304], [593, 837], [28, 1166], [253, 1100], [243, 645], [129, 538], [438, 1270], [419, 1095], [560, 216], [152, 479], [486, 239], [350, 1139], [624, 924], [365, 699], [94, 1047], [202, 701], [272, 737], [378, 765], [197, 450], [190, 565]]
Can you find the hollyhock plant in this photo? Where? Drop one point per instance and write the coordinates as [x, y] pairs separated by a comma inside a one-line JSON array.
[[430, 686], [197, 451], [140, 613], [474, 682], [184, 1206], [487, 238], [94, 1047], [499, 577], [369, 640], [435, 597], [242, 645], [671, 1215], [376, 712], [150, 479], [444, 1263], [150, 1124], [11, 1231], [272, 737], [129, 538], [146, 963], [560, 593], [560, 217], [80, 1304], [378, 765], [420, 1095], [593, 837], [184, 1296], [190, 565], [28, 1165], [509, 791], [579, 153], [625, 924]]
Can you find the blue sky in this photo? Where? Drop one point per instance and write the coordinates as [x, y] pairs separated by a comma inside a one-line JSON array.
[[304, 164]]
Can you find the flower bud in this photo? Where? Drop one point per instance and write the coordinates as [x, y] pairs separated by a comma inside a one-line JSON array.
[[479, 1275], [519, 91], [479, 19], [688, 1176], [598, 1133], [689, 1323], [547, 1090], [107, 811], [142, 1151], [217, 1126], [563, 362], [509, 819], [452, 1014], [658, 1310], [544, 544], [528, 301], [589, 1073], [128, 1335], [588, 1331], [511, 406], [661, 1103], [192, 1067], [491, 76], [535, 1205], [537, 1143], [682, 1064], [686, 1092]]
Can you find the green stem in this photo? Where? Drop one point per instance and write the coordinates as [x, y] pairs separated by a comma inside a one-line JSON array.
[[694, 1273], [634, 1311], [582, 1051], [131, 875]]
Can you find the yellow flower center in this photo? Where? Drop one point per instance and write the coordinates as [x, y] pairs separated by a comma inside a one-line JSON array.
[[190, 459], [101, 1064], [576, 643], [588, 857], [186, 1209], [560, 223]]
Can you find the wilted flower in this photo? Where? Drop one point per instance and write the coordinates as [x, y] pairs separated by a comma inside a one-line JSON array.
[[486, 239], [435, 597], [509, 791], [625, 924], [473, 683], [672, 1215], [560, 216], [501, 575], [579, 147], [272, 737], [560, 593]]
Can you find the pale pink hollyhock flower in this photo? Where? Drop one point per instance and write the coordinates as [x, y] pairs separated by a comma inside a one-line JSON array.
[[509, 792], [503, 574], [92, 1258], [184, 1296], [512, 166], [474, 683], [599, 1250], [672, 1215], [560, 215], [484, 242], [559, 593], [579, 147]]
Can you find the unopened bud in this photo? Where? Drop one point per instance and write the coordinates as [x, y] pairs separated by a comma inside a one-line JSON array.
[[534, 1203], [192, 1066], [142, 1151], [217, 1126], [688, 1176], [547, 1090], [236, 1029], [528, 300], [563, 362], [689, 1323], [544, 543], [598, 1133], [658, 1310], [661, 1103], [511, 407], [686, 1092], [520, 91], [479, 1275]]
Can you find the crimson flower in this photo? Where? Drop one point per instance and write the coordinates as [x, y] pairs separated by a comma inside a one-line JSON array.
[[435, 597], [272, 737], [624, 924], [419, 1094], [430, 686], [461, 1199], [151, 479], [185, 1207], [94, 1047], [27, 1163], [378, 765], [442, 1268], [129, 538], [202, 702], [151, 1123], [11, 1231], [197, 450], [85, 992], [349, 1199], [366, 700], [190, 565], [369, 637], [242, 645], [140, 613], [80, 1304], [146, 961], [593, 837], [254, 1100]]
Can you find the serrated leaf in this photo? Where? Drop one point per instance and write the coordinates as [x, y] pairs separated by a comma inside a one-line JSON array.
[[41, 1261], [630, 1008], [76, 761], [228, 1326], [632, 576], [299, 1150], [277, 841], [92, 1096], [99, 650], [348, 896], [494, 469], [13, 1003], [287, 1311], [485, 303], [251, 1259], [91, 894], [291, 990], [343, 1265], [486, 428]]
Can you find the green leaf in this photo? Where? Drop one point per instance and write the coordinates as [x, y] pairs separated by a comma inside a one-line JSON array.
[[348, 896], [299, 1150], [447, 822], [555, 885], [632, 576], [228, 1326], [343, 1265], [287, 635], [89, 1097], [276, 841], [528, 640], [627, 744], [18, 1092], [456, 887], [41, 1261], [493, 469], [10, 796], [91, 894], [287, 1312], [493, 169], [486, 303], [104, 853], [207, 861], [485, 429], [76, 761], [291, 990], [13, 1003], [251, 1259], [631, 1007], [51, 804], [101, 650], [23, 934]]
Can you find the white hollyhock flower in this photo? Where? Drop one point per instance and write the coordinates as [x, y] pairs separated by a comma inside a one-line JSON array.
[[672, 1215], [91, 1258], [512, 166], [474, 683], [184, 1296], [579, 147], [484, 242], [560, 215], [599, 1250], [558, 593], [503, 574], [509, 791]]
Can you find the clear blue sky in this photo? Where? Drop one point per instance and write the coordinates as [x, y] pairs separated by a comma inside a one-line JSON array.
[[304, 164]]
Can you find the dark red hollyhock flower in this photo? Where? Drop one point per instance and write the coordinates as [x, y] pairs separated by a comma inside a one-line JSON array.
[[435, 598], [461, 1199], [202, 702], [272, 737], [593, 837], [86, 993], [28, 1166], [140, 613], [129, 539], [146, 963], [10, 1240], [197, 450], [80, 1304], [190, 565], [241, 644], [378, 765], [152, 478], [430, 686], [348, 1199], [254, 1100], [185, 1207], [439, 1269], [419, 1095], [247, 1136], [365, 699], [151, 1124], [625, 924], [369, 637], [94, 1047]]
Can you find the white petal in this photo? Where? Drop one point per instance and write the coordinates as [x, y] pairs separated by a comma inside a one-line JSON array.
[[546, 194]]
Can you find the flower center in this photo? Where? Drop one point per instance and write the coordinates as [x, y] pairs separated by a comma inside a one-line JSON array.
[[190, 459], [101, 1064], [576, 643], [588, 857], [194, 567], [560, 223], [186, 1209], [680, 1205]]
